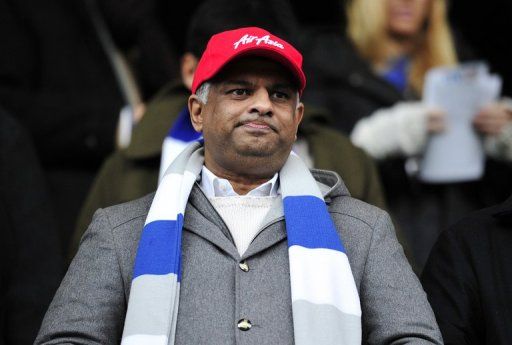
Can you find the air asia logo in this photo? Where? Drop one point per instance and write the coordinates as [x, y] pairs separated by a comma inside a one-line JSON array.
[[246, 39]]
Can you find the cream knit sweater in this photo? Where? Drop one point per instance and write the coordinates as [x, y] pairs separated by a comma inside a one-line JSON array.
[[243, 216]]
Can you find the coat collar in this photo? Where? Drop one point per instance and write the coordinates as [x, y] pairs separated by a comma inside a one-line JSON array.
[[200, 212]]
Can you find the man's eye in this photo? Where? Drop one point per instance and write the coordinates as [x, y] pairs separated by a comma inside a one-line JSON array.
[[281, 95], [240, 92]]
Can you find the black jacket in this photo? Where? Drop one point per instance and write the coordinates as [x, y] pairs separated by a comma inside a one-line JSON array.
[[468, 278], [56, 79], [31, 263], [344, 83]]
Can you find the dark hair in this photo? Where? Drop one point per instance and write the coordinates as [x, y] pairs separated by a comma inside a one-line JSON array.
[[214, 16]]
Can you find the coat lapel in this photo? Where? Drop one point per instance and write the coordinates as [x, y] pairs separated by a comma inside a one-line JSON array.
[[272, 231], [202, 219]]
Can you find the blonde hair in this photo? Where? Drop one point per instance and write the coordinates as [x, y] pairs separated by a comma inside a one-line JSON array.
[[366, 28]]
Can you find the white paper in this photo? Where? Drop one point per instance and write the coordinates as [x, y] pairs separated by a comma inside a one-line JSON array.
[[457, 154]]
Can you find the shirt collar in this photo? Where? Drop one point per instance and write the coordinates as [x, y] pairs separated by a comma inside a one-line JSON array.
[[214, 186]]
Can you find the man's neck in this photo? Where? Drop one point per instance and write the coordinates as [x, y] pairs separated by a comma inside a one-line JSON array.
[[242, 184], [214, 186]]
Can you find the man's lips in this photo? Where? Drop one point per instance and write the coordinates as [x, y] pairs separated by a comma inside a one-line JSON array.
[[257, 125]]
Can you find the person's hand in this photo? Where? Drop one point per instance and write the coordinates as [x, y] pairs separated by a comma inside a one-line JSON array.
[[401, 130], [436, 122], [491, 119]]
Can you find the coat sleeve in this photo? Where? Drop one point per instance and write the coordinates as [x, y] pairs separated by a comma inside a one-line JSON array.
[[397, 131], [90, 304], [394, 306], [452, 290]]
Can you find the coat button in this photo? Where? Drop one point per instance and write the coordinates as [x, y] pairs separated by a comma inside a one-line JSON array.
[[243, 266], [244, 325]]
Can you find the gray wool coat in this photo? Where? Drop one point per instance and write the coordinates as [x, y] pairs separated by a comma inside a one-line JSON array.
[[90, 305]]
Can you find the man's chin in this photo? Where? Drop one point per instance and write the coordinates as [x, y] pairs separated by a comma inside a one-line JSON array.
[[254, 152]]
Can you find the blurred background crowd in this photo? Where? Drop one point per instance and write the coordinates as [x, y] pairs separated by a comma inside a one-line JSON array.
[[91, 90]]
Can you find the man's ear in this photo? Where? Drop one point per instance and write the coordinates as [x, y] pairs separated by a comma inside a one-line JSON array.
[[196, 108], [299, 114], [188, 68]]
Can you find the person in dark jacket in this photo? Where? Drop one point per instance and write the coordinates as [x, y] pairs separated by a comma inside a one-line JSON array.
[[31, 261], [56, 79], [468, 278]]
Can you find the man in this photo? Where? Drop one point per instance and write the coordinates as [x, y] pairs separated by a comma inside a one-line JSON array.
[[134, 172], [241, 243], [468, 278]]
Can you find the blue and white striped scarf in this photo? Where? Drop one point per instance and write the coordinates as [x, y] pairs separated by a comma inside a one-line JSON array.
[[325, 302], [181, 134]]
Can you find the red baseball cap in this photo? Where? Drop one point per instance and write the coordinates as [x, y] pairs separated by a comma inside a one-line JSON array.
[[228, 45]]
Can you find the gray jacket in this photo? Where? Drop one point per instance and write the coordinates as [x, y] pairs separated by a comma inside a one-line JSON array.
[[217, 290]]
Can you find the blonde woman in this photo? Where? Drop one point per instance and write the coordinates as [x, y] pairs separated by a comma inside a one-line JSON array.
[[372, 82], [402, 40]]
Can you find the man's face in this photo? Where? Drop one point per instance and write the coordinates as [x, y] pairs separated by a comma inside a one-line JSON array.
[[252, 115]]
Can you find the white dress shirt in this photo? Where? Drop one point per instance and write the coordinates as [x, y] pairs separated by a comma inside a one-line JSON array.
[[214, 186]]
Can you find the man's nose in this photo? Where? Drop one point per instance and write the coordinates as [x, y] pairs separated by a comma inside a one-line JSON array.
[[262, 104]]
